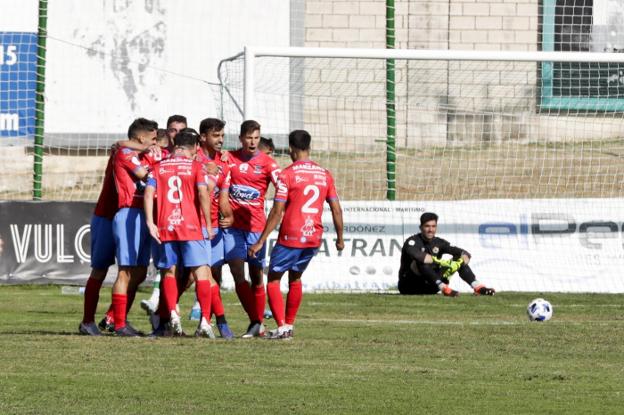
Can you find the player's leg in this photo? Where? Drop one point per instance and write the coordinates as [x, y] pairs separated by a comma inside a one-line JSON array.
[[256, 267], [434, 281], [466, 274], [150, 305], [132, 251], [295, 290], [170, 254], [217, 259], [235, 255], [196, 257]]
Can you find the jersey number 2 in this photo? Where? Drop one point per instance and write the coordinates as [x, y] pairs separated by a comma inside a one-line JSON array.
[[306, 208]]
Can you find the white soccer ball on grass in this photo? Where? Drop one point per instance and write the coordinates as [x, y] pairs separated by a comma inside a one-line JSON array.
[[539, 310]]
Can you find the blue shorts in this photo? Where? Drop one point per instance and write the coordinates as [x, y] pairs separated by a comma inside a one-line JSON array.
[[284, 258], [217, 247], [131, 237], [236, 243], [187, 253], [102, 243]]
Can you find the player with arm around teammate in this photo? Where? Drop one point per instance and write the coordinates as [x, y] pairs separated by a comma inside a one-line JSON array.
[[302, 188], [251, 171], [424, 271], [183, 188]]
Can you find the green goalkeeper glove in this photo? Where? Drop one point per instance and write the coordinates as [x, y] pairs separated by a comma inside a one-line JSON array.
[[445, 263], [452, 268]]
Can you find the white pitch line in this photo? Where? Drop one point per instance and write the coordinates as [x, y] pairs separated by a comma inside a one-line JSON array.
[[463, 323]]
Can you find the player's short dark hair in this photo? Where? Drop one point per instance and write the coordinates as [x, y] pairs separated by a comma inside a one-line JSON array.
[[299, 139], [428, 216], [211, 124], [268, 143], [187, 137], [249, 126], [161, 134], [176, 118], [141, 124]]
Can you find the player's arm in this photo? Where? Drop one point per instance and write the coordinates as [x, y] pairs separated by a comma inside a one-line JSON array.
[[275, 216], [336, 211], [205, 190], [226, 218], [148, 207], [153, 149], [456, 252]]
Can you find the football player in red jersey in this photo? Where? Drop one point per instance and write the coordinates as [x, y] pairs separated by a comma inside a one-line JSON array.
[[251, 172], [303, 187], [129, 230], [182, 185], [102, 241]]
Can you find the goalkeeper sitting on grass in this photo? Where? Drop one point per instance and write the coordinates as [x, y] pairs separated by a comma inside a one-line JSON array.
[[423, 271]]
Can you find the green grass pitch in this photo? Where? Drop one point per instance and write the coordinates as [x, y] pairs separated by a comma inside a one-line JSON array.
[[352, 354]]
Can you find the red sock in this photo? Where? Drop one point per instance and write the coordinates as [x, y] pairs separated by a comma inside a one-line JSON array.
[[215, 300], [260, 302], [91, 298], [110, 315], [246, 297], [119, 310], [170, 291], [293, 301], [204, 295], [276, 302]]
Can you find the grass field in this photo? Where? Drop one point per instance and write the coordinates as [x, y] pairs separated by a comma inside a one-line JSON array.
[[357, 353]]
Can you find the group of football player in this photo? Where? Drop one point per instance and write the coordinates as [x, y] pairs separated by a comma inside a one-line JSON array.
[[175, 196]]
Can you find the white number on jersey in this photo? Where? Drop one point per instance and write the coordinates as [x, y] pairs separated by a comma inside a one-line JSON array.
[[306, 208], [174, 194]]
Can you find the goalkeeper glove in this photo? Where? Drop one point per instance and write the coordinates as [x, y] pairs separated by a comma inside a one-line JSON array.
[[452, 268], [441, 262]]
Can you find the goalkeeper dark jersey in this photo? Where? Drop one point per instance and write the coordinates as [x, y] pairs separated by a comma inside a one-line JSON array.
[[416, 247]]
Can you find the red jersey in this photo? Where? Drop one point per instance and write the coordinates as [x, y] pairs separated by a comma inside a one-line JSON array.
[[222, 183], [304, 186], [249, 181], [126, 162], [106, 205], [176, 180]]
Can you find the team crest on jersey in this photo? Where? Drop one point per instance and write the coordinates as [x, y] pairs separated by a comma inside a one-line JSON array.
[[257, 169], [435, 250], [308, 228], [243, 168], [175, 218]]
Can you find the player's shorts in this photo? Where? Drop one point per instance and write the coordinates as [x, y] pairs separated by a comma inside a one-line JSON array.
[[131, 238], [187, 253], [284, 258], [217, 247], [236, 243], [102, 242]]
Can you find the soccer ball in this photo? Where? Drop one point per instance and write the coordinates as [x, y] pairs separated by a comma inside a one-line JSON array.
[[539, 310]]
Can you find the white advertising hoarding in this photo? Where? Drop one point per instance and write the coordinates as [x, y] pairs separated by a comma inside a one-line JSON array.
[[567, 245]]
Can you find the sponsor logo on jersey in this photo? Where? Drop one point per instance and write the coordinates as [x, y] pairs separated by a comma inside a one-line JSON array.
[[308, 228], [299, 179], [244, 193], [175, 218], [435, 249]]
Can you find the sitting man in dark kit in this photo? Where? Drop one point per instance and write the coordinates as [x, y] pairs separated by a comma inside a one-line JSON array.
[[424, 271]]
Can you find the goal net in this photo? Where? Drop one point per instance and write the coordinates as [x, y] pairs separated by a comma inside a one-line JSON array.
[[519, 153]]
